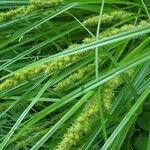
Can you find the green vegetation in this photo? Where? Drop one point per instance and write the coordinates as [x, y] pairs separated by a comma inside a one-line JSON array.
[[75, 75]]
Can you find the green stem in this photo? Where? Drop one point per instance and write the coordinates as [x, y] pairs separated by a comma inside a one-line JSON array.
[[146, 9], [98, 95], [101, 114]]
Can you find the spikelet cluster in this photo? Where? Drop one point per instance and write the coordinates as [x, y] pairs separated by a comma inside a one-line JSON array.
[[34, 5], [50, 68], [108, 91], [92, 21], [45, 3], [114, 31], [109, 87], [106, 18], [61, 63], [80, 127], [74, 45], [121, 15], [82, 124], [78, 75], [62, 85], [142, 23], [15, 12]]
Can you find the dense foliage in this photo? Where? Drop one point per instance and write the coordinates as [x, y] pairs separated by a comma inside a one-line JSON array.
[[75, 74]]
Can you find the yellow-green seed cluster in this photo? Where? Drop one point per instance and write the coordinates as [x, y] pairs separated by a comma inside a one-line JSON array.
[[62, 85], [83, 123], [49, 67], [92, 21], [24, 10], [80, 127], [114, 31], [109, 87], [15, 12], [106, 18], [78, 75], [111, 32], [45, 3], [121, 15], [108, 91], [61, 63], [74, 45], [19, 77]]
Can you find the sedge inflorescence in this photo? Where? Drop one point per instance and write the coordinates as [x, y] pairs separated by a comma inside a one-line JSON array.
[[45, 3], [62, 85], [14, 13], [107, 18], [82, 124], [48, 68], [108, 89], [51, 56], [114, 31], [61, 63], [24, 10], [76, 76]]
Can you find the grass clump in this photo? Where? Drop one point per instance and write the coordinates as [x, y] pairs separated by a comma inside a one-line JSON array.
[[57, 92]]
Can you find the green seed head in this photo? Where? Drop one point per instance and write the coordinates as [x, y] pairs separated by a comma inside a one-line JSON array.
[[45, 3]]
